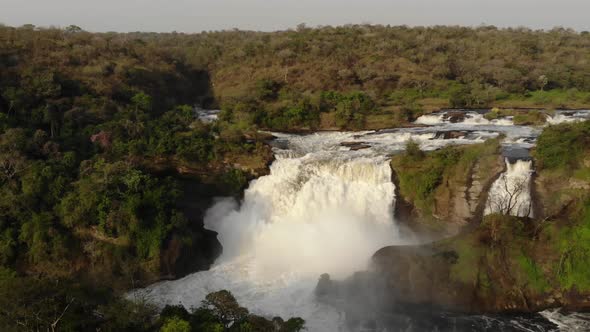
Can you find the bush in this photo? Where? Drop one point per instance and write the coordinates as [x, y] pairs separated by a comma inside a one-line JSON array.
[[413, 150], [563, 146], [530, 118], [176, 325], [267, 89]]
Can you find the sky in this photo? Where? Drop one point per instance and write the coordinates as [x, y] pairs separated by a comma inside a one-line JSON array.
[[270, 15]]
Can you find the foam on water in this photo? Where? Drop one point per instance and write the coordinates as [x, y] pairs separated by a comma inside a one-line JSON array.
[[568, 117], [206, 116], [471, 118], [431, 119], [568, 321], [323, 208]]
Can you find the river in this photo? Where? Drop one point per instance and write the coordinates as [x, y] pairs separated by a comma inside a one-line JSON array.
[[326, 207]]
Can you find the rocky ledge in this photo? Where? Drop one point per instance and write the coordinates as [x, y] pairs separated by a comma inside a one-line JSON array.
[[506, 265]]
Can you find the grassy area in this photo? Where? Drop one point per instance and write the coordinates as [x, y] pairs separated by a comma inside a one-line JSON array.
[[468, 257], [421, 174], [531, 273], [565, 146], [551, 99], [562, 157], [574, 247], [520, 117]]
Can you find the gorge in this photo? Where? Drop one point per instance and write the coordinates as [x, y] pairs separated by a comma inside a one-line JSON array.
[[426, 178], [328, 205]]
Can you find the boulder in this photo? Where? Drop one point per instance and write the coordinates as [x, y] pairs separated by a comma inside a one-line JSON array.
[[455, 116], [354, 146], [504, 265]]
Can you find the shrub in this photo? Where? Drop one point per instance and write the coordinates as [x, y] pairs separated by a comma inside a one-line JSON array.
[[176, 325], [413, 150], [563, 145]]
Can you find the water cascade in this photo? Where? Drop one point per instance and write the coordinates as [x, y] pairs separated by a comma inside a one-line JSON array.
[[326, 207], [511, 193], [568, 116], [324, 211], [469, 118]]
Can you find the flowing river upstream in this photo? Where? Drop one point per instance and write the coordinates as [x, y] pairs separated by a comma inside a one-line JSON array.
[[327, 206]]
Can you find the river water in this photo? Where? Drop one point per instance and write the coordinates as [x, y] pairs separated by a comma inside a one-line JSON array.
[[326, 207]]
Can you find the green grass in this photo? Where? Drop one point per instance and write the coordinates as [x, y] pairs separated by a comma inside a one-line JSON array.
[[556, 98], [563, 146], [582, 174], [420, 175], [466, 268], [574, 246], [534, 277]]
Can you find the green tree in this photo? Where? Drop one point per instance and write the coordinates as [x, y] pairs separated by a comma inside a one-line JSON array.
[[142, 101], [176, 325], [413, 150], [225, 307]]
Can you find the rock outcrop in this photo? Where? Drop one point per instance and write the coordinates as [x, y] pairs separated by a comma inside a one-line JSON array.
[[183, 254], [506, 265], [455, 198], [499, 264]]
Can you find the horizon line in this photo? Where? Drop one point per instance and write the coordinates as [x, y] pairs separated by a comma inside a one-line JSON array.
[[302, 25]]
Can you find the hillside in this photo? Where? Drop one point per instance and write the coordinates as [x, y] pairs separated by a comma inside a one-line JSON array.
[[105, 173]]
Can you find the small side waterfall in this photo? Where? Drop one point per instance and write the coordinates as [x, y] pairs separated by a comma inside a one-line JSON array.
[[511, 193], [326, 207]]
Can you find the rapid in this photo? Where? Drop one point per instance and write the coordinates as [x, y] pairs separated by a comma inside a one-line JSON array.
[[326, 207]]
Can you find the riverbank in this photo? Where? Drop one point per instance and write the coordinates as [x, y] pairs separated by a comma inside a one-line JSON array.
[[506, 263]]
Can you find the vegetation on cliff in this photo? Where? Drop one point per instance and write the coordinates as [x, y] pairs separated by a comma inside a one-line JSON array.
[[33, 304], [429, 181], [563, 153], [93, 137], [95, 131], [508, 263]]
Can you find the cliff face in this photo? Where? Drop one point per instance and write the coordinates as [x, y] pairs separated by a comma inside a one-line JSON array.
[[441, 192], [201, 184], [503, 263], [555, 191], [506, 265]]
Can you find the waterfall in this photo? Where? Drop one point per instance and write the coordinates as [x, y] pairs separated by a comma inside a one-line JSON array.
[[431, 119], [470, 119], [325, 208], [313, 214], [568, 117], [511, 193], [322, 209]]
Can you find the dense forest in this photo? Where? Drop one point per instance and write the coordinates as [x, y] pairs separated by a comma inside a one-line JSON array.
[[105, 172], [375, 76], [93, 133]]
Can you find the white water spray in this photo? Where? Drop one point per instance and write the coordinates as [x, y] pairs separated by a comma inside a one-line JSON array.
[[470, 119], [322, 209], [318, 213], [511, 193], [568, 117]]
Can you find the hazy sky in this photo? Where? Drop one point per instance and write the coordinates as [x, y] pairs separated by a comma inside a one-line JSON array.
[[198, 15]]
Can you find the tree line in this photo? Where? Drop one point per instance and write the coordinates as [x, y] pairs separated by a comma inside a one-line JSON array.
[[88, 119]]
